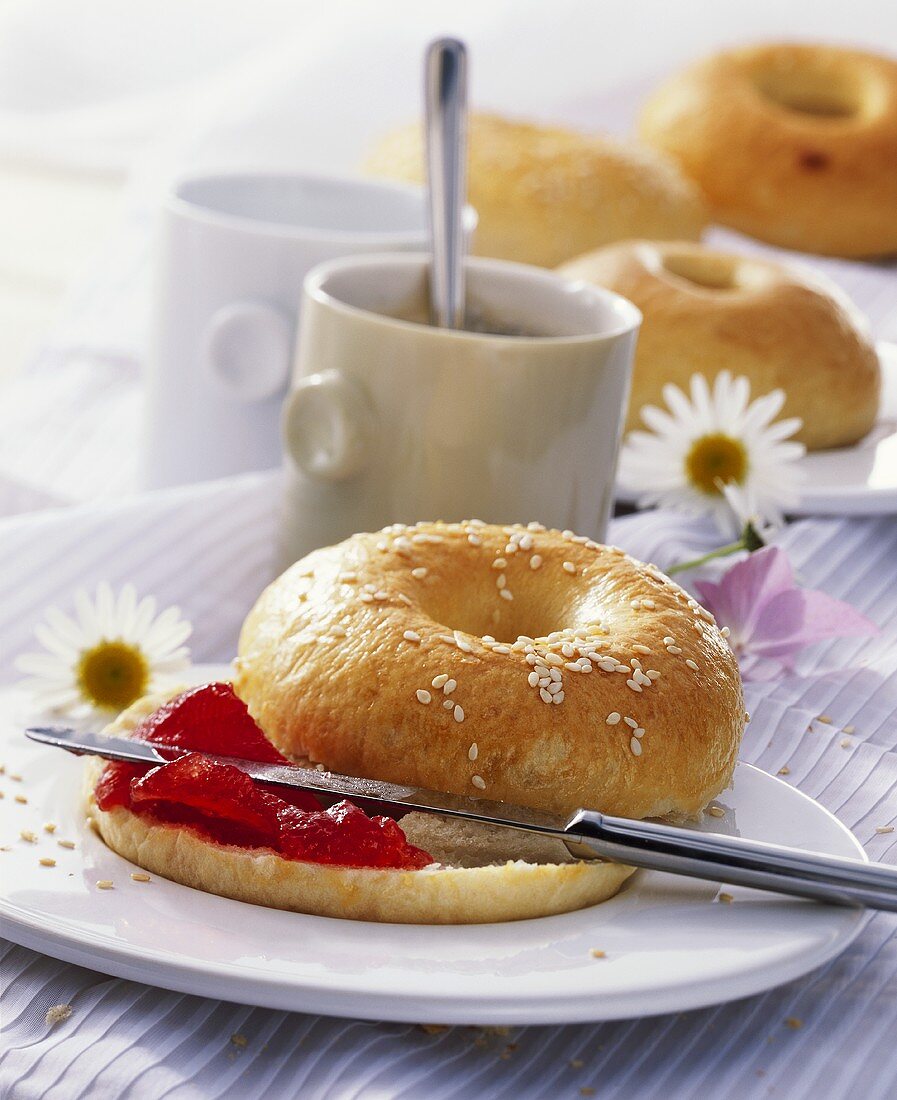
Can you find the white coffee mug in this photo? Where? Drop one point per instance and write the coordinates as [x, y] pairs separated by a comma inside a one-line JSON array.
[[393, 420], [233, 251]]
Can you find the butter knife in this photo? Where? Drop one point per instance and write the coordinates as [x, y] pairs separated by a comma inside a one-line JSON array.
[[649, 844]]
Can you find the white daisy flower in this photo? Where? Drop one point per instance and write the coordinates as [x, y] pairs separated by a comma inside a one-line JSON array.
[[113, 651], [697, 447]]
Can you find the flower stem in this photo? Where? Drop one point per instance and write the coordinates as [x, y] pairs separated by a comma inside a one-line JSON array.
[[721, 552]]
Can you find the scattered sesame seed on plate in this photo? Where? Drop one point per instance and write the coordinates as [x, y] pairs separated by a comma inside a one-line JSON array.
[[716, 811], [47, 862], [596, 954], [882, 830], [725, 898], [50, 827], [66, 843], [21, 799], [825, 719], [105, 884], [28, 835], [846, 743], [849, 729], [139, 876], [423, 696]]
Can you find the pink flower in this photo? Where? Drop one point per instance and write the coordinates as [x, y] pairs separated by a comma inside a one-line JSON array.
[[770, 618]]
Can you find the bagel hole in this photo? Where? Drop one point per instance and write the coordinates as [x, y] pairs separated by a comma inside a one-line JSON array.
[[483, 612], [817, 94], [707, 271]]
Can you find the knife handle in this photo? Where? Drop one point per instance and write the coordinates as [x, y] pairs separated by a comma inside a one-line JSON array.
[[731, 859]]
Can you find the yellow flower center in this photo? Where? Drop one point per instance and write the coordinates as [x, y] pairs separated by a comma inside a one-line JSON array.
[[716, 460], [112, 674]]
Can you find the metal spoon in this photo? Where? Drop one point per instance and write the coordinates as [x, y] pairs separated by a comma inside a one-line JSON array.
[[445, 96]]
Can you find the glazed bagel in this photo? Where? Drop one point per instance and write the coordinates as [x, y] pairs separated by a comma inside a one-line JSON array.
[[481, 874], [706, 311], [526, 665], [544, 195], [793, 144]]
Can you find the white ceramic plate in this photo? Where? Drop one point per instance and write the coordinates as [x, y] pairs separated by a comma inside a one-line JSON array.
[[670, 943], [851, 481]]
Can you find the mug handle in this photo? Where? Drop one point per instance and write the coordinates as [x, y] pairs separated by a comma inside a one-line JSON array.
[[328, 426], [247, 350]]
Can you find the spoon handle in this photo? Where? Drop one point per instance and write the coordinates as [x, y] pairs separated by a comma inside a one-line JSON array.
[[445, 95]]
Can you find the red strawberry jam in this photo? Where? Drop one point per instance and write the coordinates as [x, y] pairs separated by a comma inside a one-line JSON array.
[[224, 804]]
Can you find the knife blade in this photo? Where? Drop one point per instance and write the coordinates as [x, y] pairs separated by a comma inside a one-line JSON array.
[[647, 844]]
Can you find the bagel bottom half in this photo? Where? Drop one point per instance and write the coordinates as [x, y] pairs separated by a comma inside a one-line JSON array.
[[476, 878]]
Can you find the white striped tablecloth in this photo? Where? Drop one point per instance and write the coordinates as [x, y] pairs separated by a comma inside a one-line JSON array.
[[832, 1034]]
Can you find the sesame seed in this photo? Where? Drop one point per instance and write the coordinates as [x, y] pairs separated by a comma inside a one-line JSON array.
[[535, 561], [675, 650], [448, 638], [504, 650], [382, 546], [499, 563], [546, 695], [567, 649], [423, 696], [596, 954], [348, 578], [338, 631], [505, 594], [691, 664], [381, 595], [15, 778], [366, 597], [22, 799], [458, 714], [635, 604], [574, 666], [634, 685], [419, 572], [631, 722], [554, 687], [849, 729], [66, 843], [501, 580], [725, 632], [784, 770], [725, 898], [639, 648], [846, 743], [411, 636], [613, 718], [533, 679], [479, 782], [568, 567], [525, 542], [447, 704], [883, 830], [50, 827], [669, 640], [824, 718], [649, 604], [45, 862], [554, 660], [558, 698], [462, 643], [716, 811], [26, 834], [402, 598], [639, 731], [636, 746], [449, 686], [474, 540], [653, 674], [473, 752], [105, 884], [139, 876], [555, 674], [439, 680]]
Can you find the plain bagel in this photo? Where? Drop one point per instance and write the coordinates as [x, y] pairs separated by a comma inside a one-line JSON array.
[[481, 874], [531, 666], [544, 194], [706, 311], [793, 144]]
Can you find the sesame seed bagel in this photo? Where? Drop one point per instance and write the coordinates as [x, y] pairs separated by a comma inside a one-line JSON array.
[[545, 194], [794, 144], [707, 311], [534, 666], [481, 874]]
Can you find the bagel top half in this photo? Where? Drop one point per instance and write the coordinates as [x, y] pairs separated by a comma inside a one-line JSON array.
[[515, 663]]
